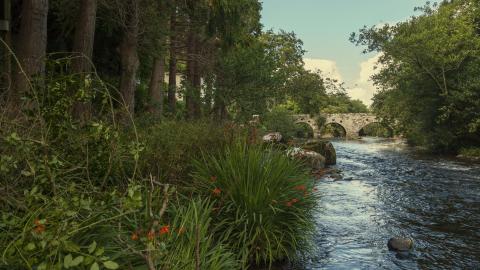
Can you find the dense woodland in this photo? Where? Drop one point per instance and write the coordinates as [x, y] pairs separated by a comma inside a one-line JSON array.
[[182, 59]]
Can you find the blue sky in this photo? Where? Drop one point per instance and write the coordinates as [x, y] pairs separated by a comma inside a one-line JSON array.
[[325, 25]]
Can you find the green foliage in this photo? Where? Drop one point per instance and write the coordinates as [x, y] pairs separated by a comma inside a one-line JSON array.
[[264, 201], [428, 75], [333, 130], [340, 102], [280, 120], [253, 77], [170, 146], [470, 152], [376, 130], [196, 226]]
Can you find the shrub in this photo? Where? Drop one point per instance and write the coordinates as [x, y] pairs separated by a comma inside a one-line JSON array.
[[470, 152], [280, 120], [170, 146], [264, 201]]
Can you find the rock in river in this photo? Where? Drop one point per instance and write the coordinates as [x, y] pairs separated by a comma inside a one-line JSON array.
[[314, 159], [400, 244], [274, 137], [324, 148]]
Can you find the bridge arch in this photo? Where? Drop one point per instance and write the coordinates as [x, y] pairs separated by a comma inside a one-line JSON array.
[[336, 127], [381, 130], [306, 119], [351, 122]]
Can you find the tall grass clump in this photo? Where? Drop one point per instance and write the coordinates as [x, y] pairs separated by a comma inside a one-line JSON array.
[[264, 202]]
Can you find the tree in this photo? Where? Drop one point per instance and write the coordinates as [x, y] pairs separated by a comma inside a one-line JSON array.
[[156, 87], [172, 65], [30, 47], [129, 54], [83, 46], [427, 80]]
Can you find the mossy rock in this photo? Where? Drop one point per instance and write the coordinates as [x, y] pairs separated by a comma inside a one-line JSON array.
[[325, 148]]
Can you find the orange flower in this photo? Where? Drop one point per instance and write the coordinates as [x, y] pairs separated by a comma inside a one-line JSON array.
[[151, 235], [39, 229], [39, 226], [213, 179], [294, 200], [217, 191], [300, 188], [289, 204], [134, 236], [164, 229]]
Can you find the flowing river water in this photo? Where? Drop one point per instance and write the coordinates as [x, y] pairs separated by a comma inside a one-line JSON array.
[[387, 190]]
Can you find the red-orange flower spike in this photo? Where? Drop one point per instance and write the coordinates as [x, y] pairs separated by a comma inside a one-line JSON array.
[[164, 229], [289, 204], [134, 236], [213, 179], [217, 191], [300, 188], [294, 200], [37, 222], [151, 235]]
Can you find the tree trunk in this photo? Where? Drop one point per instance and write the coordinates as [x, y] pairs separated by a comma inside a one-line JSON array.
[[189, 97], [6, 72], [197, 80], [219, 107], [156, 85], [30, 46], [172, 73], [129, 58], [83, 46]]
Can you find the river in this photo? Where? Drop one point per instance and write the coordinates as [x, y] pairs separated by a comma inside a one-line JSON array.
[[388, 190]]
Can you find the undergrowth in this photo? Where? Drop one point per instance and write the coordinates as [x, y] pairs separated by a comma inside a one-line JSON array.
[[108, 193]]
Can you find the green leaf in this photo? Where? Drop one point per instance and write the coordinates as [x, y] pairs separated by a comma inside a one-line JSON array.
[[30, 246], [67, 261], [95, 266], [78, 260], [99, 251], [110, 265], [92, 247], [42, 266]]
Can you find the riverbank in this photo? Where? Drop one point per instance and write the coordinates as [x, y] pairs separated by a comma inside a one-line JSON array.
[[169, 194]]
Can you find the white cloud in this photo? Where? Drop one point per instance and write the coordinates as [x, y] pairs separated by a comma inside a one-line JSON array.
[[364, 89], [327, 67]]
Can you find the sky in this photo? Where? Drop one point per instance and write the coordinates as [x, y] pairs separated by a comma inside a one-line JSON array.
[[324, 26]]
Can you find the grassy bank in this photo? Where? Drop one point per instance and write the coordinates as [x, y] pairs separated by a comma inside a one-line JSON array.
[[168, 195]]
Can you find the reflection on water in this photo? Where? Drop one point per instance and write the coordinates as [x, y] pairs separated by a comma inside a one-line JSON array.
[[389, 191]]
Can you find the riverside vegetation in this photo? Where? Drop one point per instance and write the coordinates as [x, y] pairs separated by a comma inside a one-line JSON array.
[[125, 140], [105, 165]]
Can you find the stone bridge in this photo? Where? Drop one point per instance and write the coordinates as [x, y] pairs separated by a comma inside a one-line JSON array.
[[352, 123]]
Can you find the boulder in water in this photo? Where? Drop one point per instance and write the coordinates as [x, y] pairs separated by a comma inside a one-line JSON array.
[[312, 158], [325, 148], [400, 244], [274, 137]]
